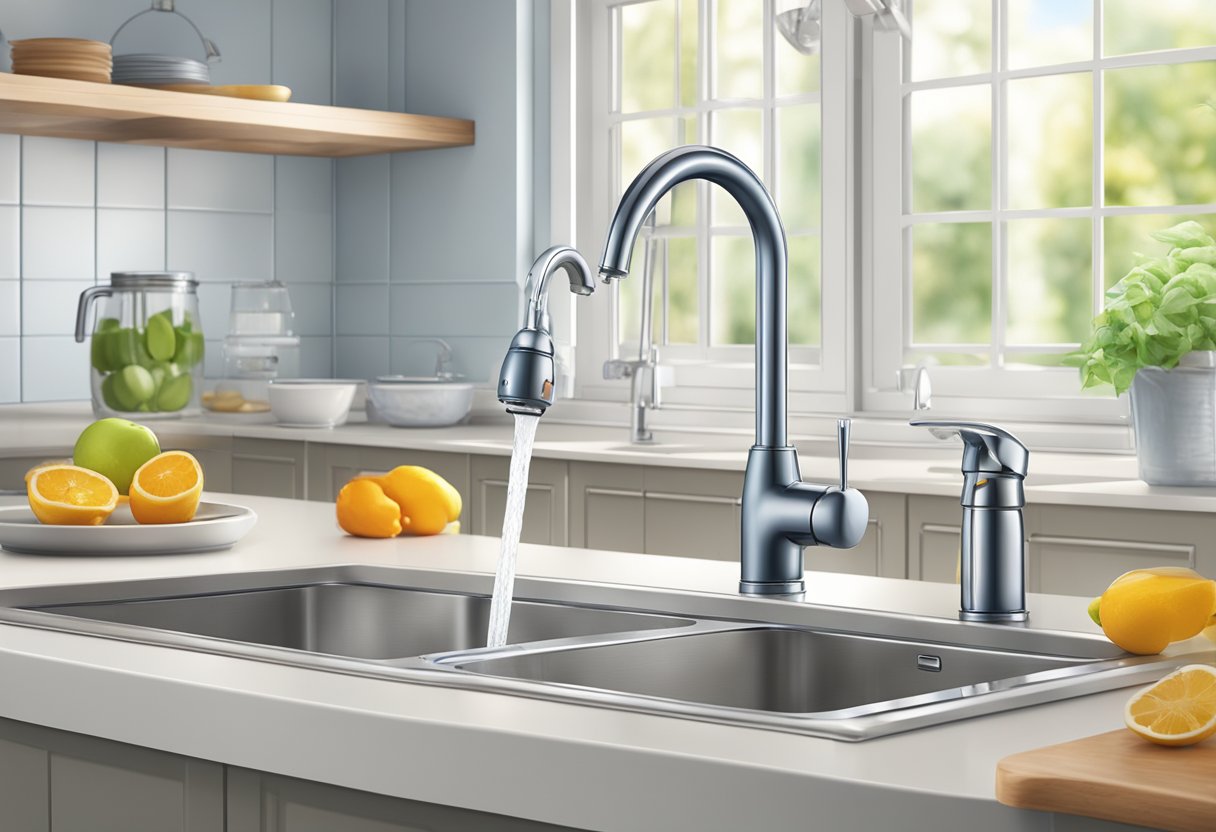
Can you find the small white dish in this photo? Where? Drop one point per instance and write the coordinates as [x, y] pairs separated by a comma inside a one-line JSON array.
[[411, 402], [216, 526], [311, 403]]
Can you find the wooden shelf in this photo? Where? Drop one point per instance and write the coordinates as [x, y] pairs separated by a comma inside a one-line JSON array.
[[35, 106]]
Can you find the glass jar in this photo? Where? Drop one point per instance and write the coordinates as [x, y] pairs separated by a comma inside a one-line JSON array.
[[146, 353], [261, 346]]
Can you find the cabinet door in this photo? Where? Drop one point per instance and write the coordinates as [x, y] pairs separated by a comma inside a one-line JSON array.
[[546, 509], [692, 513], [214, 453], [87, 784], [261, 802], [607, 507], [934, 538], [1075, 550], [269, 468], [332, 466], [882, 550]]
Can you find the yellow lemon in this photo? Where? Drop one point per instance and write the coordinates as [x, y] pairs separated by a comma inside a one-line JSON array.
[[428, 502], [364, 510], [1145, 610], [1178, 710]]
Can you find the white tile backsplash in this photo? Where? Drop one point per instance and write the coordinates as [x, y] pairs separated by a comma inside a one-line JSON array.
[[214, 305], [129, 239], [48, 307], [457, 308], [303, 49], [10, 370], [362, 356], [362, 219], [313, 305], [207, 180], [130, 176], [10, 242], [69, 381], [10, 308], [303, 220], [57, 171], [10, 169], [221, 247], [316, 357], [56, 243]]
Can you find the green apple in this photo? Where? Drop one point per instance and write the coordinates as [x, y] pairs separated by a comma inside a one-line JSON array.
[[115, 448]]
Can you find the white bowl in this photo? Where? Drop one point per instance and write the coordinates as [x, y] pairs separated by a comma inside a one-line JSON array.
[[420, 403], [311, 403]]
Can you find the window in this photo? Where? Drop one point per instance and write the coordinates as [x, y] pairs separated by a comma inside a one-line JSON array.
[[1022, 152], [714, 72]]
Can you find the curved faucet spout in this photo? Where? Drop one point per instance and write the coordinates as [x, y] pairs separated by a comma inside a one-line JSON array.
[[537, 285], [721, 168]]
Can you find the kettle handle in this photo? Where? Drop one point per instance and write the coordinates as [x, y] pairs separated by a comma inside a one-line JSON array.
[[82, 307]]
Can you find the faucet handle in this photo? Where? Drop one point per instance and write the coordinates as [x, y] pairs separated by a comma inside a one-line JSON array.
[[988, 449], [843, 428]]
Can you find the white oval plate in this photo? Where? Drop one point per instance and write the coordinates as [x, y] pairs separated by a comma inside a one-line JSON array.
[[216, 526]]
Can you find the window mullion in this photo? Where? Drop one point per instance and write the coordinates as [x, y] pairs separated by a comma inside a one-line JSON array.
[[1098, 231], [1000, 181]]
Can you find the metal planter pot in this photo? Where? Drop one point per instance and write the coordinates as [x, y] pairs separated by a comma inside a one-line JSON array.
[[1174, 419]]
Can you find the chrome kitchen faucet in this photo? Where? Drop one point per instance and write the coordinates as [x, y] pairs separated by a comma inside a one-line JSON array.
[[992, 566], [781, 514], [526, 382]]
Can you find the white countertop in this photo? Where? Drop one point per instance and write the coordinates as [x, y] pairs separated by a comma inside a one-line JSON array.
[[1081, 479], [554, 762]]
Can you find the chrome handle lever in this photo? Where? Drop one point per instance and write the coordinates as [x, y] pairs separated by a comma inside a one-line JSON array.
[[843, 428]]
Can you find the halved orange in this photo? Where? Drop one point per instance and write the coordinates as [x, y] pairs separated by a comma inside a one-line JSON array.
[[30, 473], [1178, 710], [67, 495], [167, 488]]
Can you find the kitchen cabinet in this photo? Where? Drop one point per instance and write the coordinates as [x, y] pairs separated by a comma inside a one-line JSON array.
[[692, 512], [934, 538], [1075, 550], [269, 468], [55, 780], [261, 802], [332, 466], [607, 507], [882, 550], [13, 468], [546, 511]]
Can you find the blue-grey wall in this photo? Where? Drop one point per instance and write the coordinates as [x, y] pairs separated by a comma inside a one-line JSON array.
[[434, 243]]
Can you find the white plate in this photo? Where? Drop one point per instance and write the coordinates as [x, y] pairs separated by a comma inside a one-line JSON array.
[[216, 526]]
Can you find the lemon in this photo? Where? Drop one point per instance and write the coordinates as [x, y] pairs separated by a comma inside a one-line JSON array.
[[1145, 610], [1178, 710], [1093, 610]]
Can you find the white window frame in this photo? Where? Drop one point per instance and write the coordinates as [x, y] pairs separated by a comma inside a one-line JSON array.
[[994, 392], [714, 376]]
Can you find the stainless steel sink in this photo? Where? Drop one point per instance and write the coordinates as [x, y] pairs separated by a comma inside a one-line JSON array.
[[788, 666], [359, 621]]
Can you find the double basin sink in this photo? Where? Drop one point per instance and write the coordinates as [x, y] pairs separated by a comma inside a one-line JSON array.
[[824, 671]]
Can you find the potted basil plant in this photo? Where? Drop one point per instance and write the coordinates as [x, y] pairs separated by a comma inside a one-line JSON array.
[[1156, 337]]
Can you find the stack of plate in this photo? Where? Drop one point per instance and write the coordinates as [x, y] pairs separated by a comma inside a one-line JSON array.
[[80, 60], [156, 70]]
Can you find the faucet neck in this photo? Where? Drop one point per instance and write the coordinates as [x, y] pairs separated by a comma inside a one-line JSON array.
[[536, 287], [768, 235]]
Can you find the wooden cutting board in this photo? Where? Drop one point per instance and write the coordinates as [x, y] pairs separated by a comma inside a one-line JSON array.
[[1117, 777]]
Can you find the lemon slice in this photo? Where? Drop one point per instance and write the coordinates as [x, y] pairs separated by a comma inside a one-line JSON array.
[[1178, 710]]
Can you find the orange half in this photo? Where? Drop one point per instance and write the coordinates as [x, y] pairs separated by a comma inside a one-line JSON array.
[[167, 488], [1178, 710], [67, 495]]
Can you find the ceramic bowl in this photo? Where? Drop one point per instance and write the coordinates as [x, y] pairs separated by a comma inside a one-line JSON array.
[[406, 402], [311, 403]]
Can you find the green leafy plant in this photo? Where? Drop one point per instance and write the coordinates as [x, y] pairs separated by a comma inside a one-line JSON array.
[[1161, 310]]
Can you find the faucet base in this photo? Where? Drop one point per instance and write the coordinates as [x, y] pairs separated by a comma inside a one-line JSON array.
[[772, 588], [994, 617]]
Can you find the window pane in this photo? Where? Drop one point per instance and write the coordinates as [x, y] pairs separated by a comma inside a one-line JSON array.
[[804, 291], [951, 38], [733, 278], [641, 141], [742, 133], [1051, 141], [1050, 279], [1127, 240], [1141, 26], [738, 49], [684, 209], [1159, 135], [796, 73], [683, 299], [951, 149], [952, 283], [1043, 32], [648, 64], [630, 297], [980, 358], [690, 37], [798, 153]]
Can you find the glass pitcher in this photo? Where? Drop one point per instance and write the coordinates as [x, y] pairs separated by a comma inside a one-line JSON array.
[[146, 354]]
